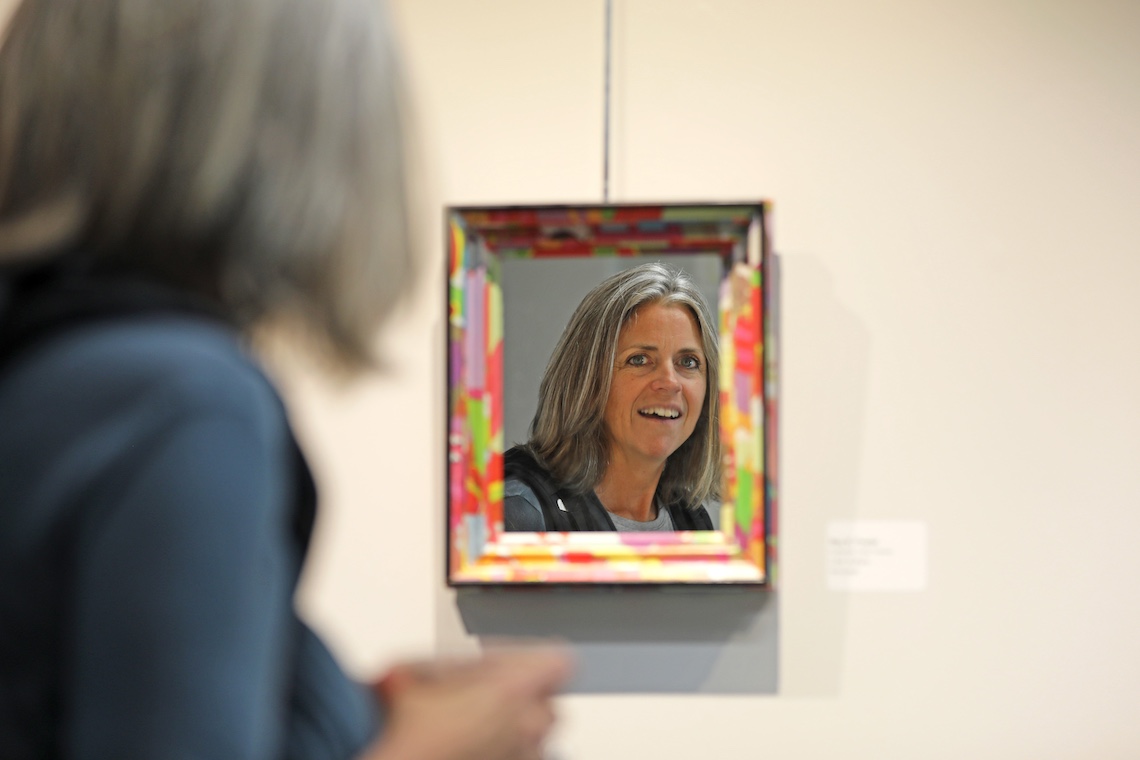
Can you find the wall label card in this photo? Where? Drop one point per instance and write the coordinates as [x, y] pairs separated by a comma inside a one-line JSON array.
[[876, 555]]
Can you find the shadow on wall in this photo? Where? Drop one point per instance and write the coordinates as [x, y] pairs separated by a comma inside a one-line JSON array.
[[824, 375], [692, 640]]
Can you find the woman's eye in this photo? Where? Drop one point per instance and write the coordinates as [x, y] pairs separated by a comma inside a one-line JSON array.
[[637, 360], [691, 362]]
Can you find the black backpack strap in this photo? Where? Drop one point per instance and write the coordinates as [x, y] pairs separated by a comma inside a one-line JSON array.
[[589, 512], [556, 514], [689, 519]]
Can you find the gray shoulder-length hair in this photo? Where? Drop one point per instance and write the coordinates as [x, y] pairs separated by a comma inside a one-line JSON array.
[[568, 435], [245, 150]]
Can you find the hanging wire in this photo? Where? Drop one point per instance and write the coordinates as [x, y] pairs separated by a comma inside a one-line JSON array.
[[606, 108]]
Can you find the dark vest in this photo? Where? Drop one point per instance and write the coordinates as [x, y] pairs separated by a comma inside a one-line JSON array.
[[566, 510]]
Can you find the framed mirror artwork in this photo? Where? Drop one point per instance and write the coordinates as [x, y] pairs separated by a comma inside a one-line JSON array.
[[516, 277]]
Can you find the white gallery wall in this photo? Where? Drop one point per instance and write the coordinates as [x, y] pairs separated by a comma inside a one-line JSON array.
[[956, 192]]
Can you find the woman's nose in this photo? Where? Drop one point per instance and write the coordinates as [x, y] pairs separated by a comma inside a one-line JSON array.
[[666, 378]]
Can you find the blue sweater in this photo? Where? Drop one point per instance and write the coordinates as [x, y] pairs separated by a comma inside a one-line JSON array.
[[155, 512]]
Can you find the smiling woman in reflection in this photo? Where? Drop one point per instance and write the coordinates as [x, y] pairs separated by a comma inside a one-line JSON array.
[[625, 435]]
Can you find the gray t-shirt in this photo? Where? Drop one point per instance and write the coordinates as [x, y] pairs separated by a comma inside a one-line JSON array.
[[663, 521]]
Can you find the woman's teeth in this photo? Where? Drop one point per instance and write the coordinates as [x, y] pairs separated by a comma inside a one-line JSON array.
[[657, 411]]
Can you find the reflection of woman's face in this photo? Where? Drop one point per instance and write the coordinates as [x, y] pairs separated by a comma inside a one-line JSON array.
[[658, 386]]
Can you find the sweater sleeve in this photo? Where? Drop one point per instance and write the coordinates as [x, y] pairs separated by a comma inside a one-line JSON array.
[[182, 609]]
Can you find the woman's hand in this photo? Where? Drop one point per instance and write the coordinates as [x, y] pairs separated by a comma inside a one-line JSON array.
[[499, 707]]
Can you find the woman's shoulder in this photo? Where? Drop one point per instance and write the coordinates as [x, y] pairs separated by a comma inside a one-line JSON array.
[[165, 347], [162, 410], [523, 472], [519, 460], [179, 361], [521, 508], [114, 388]]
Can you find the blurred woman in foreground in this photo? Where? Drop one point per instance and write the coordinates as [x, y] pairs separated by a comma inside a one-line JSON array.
[[173, 175]]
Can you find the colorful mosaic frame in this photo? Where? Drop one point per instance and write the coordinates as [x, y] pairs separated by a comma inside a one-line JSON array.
[[479, 552]]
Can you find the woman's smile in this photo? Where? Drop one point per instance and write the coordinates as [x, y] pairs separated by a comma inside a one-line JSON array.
[[661, 413]]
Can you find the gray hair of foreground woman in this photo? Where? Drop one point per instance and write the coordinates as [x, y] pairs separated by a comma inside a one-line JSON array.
[[568, 434], [248, 151]]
